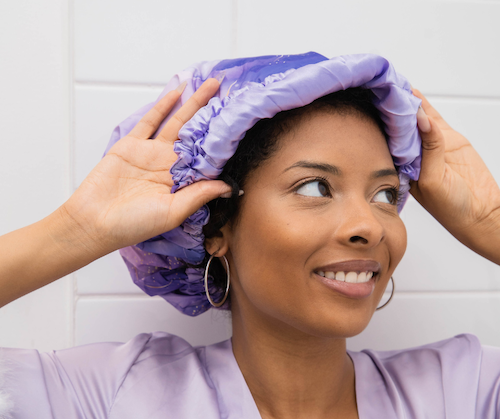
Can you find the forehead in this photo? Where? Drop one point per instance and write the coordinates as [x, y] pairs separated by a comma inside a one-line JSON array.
[[347, 140]]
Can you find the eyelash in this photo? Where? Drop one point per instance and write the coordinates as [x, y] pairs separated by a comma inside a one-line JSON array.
[[396, 193], [314, 179]]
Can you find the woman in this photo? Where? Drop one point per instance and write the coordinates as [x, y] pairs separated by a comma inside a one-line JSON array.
[[310, 247]]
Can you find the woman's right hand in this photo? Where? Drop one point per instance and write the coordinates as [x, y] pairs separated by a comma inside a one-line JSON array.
[[126, 198]]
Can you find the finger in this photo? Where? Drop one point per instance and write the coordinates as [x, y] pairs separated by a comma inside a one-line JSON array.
[[150, 122], [423, 121], [199, 99], [188, 200], [433, 151], [428, 108]]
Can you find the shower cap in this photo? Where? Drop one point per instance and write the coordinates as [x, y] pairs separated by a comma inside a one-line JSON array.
[[253, 89]]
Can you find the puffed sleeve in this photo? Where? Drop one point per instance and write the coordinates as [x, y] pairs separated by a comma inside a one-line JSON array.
[[79, 383], [488, 394], [455, 378]]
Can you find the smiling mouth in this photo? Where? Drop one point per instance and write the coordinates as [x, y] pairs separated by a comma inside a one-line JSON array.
[[350, 277]]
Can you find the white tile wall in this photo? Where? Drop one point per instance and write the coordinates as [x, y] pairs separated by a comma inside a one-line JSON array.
[[41, 320], [106, 107], [149, 40], [107, 275], [414, 319], [447, 47], [436, 261], [34, 154], [118, 55], [120, 319]]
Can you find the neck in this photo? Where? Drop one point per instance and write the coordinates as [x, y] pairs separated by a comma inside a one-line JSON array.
[[291, 374]]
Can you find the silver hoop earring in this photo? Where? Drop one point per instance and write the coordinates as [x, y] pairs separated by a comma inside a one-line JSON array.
[[390, 298], [214, 304]]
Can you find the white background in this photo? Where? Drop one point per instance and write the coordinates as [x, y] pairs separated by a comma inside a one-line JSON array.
[[70, 70]]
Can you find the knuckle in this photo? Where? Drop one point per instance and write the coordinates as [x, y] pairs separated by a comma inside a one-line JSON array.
[[431, 145], [178, 119], [148, 122], [197, 102]]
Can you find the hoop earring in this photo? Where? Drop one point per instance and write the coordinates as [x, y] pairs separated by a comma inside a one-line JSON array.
[[212, 302], [390, 298]]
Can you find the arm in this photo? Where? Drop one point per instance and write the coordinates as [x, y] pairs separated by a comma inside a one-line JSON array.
[[456, 187], [126, 199]]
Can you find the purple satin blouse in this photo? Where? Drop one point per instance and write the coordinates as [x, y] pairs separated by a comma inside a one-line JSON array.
[[161, 376]]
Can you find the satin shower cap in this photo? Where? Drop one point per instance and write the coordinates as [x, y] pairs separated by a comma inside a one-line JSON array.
[[253, 89]]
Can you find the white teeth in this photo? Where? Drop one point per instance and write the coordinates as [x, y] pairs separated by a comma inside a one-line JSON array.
[[330, 275], [361, 277], [351, 277]]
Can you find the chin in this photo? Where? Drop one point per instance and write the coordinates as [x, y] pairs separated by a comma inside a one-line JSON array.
[[338, 323]]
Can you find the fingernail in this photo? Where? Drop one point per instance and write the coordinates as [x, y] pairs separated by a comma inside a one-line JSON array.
[[181, 87], [220, 77], [423, 121], [229, 194]]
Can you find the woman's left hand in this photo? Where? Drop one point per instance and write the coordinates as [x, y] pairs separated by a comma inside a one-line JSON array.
[[455, 186]]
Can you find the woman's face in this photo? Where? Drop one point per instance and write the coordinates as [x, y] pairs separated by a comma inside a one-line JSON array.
[[324, 206]]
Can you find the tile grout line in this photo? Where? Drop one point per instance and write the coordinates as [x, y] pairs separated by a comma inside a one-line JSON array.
[[114, 296], [72, 137], [419, 294], [464, 97], [118, 85], [81, 84]]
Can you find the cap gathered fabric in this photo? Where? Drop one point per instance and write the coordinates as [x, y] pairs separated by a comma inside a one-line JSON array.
[[253, 89]]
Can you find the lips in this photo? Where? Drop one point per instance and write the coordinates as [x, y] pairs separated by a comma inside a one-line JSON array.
[[353, 278]]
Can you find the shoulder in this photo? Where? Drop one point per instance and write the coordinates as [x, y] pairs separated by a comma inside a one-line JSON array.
[[164, 379], [85, 381], [455, 376], [459, 353], [432, 358]]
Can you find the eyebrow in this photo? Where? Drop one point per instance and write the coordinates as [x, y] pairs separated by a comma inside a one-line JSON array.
[[334, 170], [384, 173]]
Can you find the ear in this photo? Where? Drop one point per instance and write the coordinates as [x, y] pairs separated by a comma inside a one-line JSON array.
[[219, 245]]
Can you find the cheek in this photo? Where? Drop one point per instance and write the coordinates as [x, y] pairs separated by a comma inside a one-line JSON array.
[[397, 242], [269, 249]]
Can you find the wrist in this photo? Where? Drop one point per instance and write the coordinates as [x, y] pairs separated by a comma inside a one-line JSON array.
[[488, 239], [484, 237], [75, 236]]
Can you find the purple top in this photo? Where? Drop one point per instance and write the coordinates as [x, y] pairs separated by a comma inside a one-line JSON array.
[[253, 89], [159, 376]]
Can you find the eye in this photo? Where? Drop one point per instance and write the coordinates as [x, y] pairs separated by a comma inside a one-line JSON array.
[[315, 188], [387, 196]]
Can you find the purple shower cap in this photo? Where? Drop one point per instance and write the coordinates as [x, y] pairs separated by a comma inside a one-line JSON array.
[[253, 89]]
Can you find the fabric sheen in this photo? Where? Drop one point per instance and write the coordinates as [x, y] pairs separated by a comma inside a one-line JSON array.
[[160, 375]]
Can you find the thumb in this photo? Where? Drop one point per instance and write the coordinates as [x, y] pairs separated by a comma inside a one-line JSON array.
[[433, 151], [188, 200]]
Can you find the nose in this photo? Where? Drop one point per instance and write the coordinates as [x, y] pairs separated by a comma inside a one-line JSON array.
[[359, 227]]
